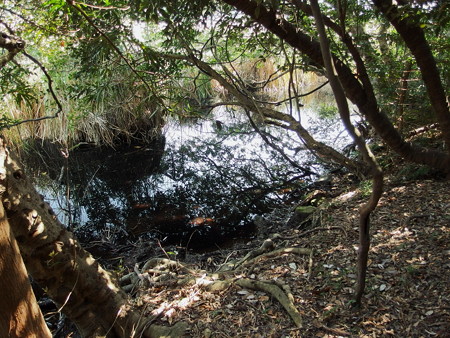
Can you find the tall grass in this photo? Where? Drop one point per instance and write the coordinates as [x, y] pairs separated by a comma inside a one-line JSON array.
[[273, 82], [121, 113], [116, 109]]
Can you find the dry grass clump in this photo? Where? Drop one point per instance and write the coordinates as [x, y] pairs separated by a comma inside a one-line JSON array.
[[273, 82], [123, 117]]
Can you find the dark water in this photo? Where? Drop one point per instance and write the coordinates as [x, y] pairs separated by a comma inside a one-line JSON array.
[[197, 187]]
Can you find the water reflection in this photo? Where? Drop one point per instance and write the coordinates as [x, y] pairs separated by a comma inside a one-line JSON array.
[[198, 190]]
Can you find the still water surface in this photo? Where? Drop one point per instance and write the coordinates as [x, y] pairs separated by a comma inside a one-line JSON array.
[[197, 186]]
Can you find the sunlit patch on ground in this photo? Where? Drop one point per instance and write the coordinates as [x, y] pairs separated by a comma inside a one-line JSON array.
[[407, 293]]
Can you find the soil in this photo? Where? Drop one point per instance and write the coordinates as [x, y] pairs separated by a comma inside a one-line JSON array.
[[408, 282]]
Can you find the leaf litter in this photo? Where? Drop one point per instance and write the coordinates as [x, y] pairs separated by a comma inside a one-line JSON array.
[[408, 280]]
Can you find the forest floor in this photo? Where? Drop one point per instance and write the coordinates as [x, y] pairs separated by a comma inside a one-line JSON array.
[[408, 280]]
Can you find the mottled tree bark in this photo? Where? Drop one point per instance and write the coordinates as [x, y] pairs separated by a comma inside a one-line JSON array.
[[12, 44], [71, 276], [20, 315]]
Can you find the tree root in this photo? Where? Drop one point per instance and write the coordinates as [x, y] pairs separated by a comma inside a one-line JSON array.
[[277, 293], [267, 246], [176, 330], [278, 252], [163, 270], [154, 271], [167, 264]]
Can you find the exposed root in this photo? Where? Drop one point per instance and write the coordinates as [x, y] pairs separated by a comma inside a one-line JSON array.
[[176, 330], [267, 246], [279, 252], [167, 272], [276, 292]]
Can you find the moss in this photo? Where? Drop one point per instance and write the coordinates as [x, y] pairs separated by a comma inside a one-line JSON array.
[[305, 210]]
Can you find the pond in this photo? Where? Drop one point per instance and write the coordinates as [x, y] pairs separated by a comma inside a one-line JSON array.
[[198, 185]]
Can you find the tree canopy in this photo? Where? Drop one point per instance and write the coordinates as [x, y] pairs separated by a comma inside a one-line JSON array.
[[160, 58]]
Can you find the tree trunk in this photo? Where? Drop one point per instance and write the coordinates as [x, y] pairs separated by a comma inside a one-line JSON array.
[[407, 25], [402, 95], [12, 44], [369, 158], [72, 277], [359, 94], [20, 313]]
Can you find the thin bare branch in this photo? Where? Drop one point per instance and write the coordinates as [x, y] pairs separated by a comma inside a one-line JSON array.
[[101, 7]]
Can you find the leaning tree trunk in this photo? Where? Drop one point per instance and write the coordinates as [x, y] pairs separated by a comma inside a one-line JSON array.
[[72, 277], [282, 120], [409, 28], [369, 158], [20, 315]]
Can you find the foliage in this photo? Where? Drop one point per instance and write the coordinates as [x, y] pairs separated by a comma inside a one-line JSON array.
[[327, 111], [148, 34], [118, 87], [366, 188], [6, 122], [413, 172]]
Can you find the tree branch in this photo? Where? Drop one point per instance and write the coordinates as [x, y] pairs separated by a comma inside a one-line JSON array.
[[15, 45], [354, 90], [377, 185], [415, 40], [12, 44], [150, 87]]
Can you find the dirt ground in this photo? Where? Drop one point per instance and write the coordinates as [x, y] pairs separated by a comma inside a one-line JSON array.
[[408, 282]]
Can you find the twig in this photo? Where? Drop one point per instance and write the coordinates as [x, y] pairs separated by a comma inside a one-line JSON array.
[[19, 46], [336, 331], [421, 130], [102, 7], [163, 250], [50, 88], [278, 149], [304, 233]]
